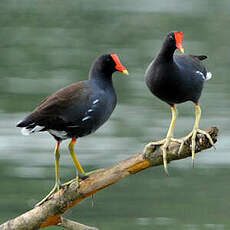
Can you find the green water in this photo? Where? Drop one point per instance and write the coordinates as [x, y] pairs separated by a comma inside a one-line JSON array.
[[47, 44]]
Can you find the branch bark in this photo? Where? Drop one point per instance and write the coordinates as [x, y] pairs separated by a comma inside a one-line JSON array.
[[50, 213], [72, 225]]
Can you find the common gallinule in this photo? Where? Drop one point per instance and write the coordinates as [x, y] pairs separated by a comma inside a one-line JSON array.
[[77, 110], [177, 78]]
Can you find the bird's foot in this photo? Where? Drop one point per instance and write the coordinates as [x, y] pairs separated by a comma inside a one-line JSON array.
[[152, 144], [94, 171], [164, 153], [80, 177], [165, 143], [56, 188], [71, 181], [193, 135]]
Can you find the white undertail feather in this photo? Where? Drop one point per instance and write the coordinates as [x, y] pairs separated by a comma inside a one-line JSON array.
[[25, 131], [208, 76]]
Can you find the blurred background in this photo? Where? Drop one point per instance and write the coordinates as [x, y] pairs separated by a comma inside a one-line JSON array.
[[46, 45]]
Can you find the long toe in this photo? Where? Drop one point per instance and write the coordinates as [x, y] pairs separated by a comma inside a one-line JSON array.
[[181, 142], [165, 143], [191, 135], [152, 144], [69, 182], [164, 153], [56, 188], [194, 134], [207, 135], [193, 146], [82, 176], [94, 171]]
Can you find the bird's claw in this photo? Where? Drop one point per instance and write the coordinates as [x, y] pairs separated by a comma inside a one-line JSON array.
[[152, 144], [207, 135], [193, 135], [181, 142], [165, 143], [56, 188]]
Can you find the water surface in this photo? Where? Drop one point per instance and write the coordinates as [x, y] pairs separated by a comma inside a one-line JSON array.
[[46, 45]]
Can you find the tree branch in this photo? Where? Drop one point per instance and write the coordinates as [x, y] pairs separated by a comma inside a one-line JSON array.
[[50, 212], [72, 225]]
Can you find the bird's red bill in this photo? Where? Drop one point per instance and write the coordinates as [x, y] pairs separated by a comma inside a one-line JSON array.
[[179, 41], [119, 66]]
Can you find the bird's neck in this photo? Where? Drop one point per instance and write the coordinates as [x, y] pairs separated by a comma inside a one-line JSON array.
[[100, 78], [166, 54]]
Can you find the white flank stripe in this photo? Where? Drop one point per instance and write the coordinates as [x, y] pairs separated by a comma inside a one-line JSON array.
[[86, 118], [96, 101]]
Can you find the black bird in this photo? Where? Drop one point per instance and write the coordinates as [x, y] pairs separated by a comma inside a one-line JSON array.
[[77, 110], [177, 78]]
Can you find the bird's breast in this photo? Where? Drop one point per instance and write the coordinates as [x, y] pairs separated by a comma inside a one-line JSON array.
[[98, 112]]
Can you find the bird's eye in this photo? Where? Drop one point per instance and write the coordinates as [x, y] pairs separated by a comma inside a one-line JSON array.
[[108, 60], [171, 37]]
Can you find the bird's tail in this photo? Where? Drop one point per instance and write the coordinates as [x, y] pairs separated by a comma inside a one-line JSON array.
[[29, 127]]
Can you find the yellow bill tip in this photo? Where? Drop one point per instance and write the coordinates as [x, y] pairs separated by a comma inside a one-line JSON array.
[[182, 50], [125, 72]]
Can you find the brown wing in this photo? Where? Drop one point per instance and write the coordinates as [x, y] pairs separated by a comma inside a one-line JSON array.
[[63, 98], [58, 108]]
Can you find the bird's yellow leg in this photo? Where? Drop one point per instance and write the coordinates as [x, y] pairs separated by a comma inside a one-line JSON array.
[[57, 170], [57, 165], [79, 168], [75, 160], [81, 175], [165, 142], [194, 132], [169, 137]]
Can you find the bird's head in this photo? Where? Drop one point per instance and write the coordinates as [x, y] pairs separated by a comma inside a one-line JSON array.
[[109, 63], [174, 40]]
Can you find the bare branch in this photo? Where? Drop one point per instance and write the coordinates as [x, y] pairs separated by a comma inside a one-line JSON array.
[[50, 213], [72, 225]]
